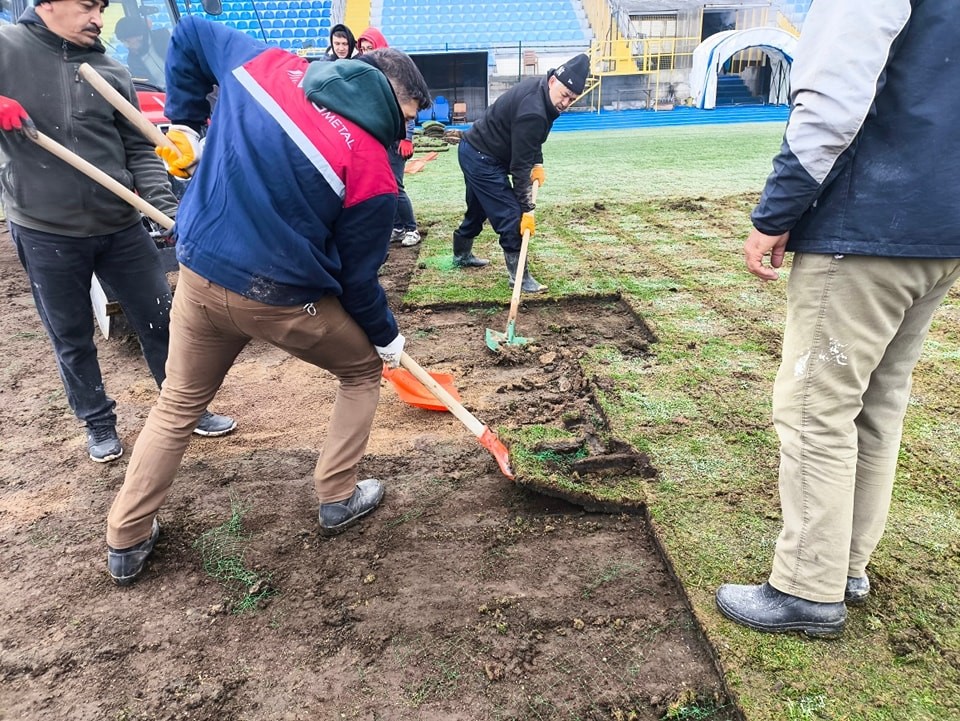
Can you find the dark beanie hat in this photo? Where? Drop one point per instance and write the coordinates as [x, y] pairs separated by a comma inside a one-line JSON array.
[[574, 72], [130, 27]]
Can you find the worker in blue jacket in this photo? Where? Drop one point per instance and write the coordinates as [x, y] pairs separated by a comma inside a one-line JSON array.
[[281, 232]]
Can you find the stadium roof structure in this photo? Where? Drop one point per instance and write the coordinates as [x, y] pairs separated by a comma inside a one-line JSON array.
[[712, 53]]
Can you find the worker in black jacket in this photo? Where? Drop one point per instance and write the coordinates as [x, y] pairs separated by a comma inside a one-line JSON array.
[[508, 140]]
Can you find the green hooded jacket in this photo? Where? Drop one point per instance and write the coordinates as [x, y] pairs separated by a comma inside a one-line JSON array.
[[354, 89]]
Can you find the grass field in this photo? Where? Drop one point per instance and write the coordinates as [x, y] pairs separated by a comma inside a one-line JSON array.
[[660, 215]]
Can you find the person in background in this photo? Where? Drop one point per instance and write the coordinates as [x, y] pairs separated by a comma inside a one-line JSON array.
[[864, 193], [506, 142], [295, 161], [342, 43], [404, 222], [67, 228], [145, 61]]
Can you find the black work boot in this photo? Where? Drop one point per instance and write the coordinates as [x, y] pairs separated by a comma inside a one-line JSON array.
[[529, 285], [857, 590], [764, 608], [125, 564], [463, 256], [338, 516]]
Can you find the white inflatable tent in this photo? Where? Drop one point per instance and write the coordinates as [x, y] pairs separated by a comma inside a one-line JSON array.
[[713, 52]]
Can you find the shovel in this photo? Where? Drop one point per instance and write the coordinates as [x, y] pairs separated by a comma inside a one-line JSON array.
[[125, 107], [94, 173], [409, 390], [494, 338], [97, 297], [488, 439], [414, 393]]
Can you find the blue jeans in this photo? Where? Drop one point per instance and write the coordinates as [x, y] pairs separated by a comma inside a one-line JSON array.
[[489, 195], [404, 217], [60, 269]]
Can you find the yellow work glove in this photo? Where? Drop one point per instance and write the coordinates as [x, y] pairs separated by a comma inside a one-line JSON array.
[[538, 174], [188, 143], [527, 224]]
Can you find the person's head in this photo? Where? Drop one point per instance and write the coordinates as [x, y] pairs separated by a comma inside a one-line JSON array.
[[342, 43], [405, 79], [132, 32], [78, 21], [567, 81], [371, 39]]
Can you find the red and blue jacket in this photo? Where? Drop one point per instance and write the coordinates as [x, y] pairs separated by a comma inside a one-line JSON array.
[[292, 200]]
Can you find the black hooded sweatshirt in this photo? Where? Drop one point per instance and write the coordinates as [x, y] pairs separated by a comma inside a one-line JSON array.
[[352, 42]]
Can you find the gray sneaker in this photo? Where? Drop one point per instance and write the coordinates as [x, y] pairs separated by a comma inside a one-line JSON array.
[[103, 444], [125, 564], [338, 516], [211, 425], [397, 235]]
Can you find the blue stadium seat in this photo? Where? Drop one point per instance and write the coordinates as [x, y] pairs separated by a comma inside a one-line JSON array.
[[424, 115], [441, 110]]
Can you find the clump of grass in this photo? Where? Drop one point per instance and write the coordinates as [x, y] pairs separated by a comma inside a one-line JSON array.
[[222, 550], [690, 706]]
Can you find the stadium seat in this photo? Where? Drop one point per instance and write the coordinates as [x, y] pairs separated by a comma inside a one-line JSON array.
[[441, 110]]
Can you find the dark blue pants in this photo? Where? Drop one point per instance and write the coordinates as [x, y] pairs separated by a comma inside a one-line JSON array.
[[489, 196], [404, 217], [60, 269]]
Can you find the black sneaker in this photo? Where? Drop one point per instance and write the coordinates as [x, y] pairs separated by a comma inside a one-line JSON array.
[[336, 517], [125, 564], [103, 444], [211, 425], [764, 608], [857, 590]]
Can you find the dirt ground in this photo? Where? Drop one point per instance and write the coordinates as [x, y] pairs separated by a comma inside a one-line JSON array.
[[465, 596]]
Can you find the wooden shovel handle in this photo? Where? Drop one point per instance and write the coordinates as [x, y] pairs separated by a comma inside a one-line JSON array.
[[462, 414], [126, 108], [94, 173], [521, 266]]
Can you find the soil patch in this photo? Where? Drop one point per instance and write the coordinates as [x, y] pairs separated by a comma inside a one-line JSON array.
[[465, 596]]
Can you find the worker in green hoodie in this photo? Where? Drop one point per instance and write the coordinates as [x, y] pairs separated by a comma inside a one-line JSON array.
[[306, 148]]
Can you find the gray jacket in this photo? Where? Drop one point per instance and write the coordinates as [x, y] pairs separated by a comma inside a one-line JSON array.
[[41, 191], [870, 162]]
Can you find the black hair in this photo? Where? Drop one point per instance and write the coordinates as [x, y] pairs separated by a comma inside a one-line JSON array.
[[404, 76]]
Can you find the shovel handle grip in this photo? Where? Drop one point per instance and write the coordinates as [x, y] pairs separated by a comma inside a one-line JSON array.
[[521, 266], [94, 173], [441, 394], [125, 107]]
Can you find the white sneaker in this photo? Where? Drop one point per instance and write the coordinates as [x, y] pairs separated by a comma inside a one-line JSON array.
[[411, 237], [397, 235]]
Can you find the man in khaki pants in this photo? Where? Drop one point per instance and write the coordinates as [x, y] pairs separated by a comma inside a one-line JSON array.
[[281, 232], [864, 193]]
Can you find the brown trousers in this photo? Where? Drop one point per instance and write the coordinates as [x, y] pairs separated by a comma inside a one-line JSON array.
[[209, 327]]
